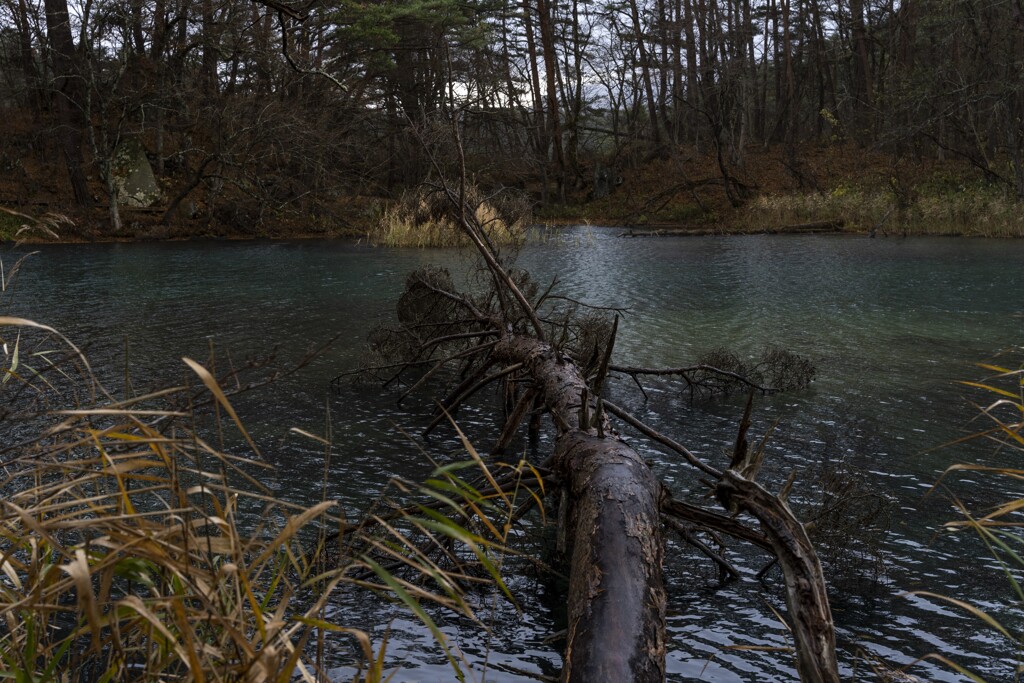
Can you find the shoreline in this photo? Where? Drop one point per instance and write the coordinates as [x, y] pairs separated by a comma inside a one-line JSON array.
[[625, 232], [736, 225]]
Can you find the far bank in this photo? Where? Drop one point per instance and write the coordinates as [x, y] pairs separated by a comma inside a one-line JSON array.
[[833, 189]]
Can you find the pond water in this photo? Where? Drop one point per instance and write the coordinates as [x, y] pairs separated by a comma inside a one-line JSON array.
[[892, 325]]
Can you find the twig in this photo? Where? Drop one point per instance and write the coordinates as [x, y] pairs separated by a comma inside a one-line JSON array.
[[687, 373], [514, 420], [661, 438], [458, 400], [443, 362], [687, 535], [714, 520]]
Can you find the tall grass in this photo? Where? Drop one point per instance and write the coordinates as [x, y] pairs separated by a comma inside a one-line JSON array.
[[133, 546], [999, 528], [424, 218], [15, 225], [975, 212]]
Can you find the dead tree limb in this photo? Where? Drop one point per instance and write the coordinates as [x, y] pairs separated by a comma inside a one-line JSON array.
[[613, 502], [687, 534], [616, 591], [708, 519], [689, 373], [515, 419], [806, 596], [669, 443]]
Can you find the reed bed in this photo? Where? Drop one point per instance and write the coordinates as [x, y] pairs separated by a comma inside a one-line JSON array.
[[425, 218], [135, 545], [977, 212]]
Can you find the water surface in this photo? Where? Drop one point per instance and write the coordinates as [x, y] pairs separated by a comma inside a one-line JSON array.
[[891, 324]]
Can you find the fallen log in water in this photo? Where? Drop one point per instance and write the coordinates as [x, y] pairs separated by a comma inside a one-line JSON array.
[[616, 589], [616, 607], [614, 505], [835, 225]]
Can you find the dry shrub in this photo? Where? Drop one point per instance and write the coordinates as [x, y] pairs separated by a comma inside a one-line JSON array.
[[592, 333], [857, 209], [848, 521], [420, 302], [783, 370]]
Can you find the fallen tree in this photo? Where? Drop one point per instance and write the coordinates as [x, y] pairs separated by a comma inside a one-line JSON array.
[[552, 356]]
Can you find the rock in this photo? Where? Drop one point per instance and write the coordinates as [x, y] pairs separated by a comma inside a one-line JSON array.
[[133, 176]]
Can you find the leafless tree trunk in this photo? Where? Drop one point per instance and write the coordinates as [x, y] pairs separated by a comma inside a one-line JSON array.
[[547, 40], [67, 96]]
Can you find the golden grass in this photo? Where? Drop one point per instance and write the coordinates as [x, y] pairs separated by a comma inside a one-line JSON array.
[[15, 225], [125, 555], [133, 548], [999, 528], [971, 213], [421, 219]]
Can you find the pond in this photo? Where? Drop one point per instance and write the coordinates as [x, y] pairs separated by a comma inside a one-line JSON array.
[[891, 324]]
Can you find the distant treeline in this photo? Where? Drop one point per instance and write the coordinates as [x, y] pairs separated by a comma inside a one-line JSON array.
[[291, 104]]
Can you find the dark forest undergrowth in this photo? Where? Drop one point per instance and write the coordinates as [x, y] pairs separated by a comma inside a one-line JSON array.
[[814, 187]]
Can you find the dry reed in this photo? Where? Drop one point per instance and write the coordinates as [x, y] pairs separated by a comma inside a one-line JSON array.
[[970, 213], [424, 218], [999, 527], [133, 548]]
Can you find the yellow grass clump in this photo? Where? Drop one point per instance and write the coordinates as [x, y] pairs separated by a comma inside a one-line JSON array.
[[998, 527], [430, 219]]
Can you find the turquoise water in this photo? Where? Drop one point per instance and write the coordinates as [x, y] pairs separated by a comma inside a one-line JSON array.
[[891, 324]]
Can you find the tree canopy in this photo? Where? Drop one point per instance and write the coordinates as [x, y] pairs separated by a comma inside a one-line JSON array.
[[293, 104]]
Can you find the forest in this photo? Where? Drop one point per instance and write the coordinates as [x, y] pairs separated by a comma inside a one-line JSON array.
[[261, 118], [550, 454]]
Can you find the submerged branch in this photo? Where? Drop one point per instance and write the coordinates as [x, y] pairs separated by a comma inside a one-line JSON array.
[[669, 443], [689, 373]]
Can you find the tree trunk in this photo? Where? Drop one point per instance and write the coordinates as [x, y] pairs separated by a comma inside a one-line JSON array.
[[861, 83], [616, 590], [789, 108], [693, 98], [67, 97], [616, 586], [645, 72], [210, 40], [28, 65], [547, 40]]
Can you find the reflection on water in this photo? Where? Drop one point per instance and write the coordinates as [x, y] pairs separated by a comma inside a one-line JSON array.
[[892, 324]]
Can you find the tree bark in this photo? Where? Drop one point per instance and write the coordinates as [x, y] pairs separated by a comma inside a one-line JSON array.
[[616, 605], [616, 615], [67, 96]]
